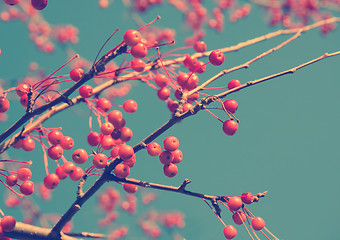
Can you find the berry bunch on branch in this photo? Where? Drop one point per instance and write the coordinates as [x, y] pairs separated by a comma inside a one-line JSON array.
[[178, 76]]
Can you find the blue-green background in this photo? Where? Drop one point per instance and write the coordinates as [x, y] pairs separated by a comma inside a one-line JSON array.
[[287, 142]]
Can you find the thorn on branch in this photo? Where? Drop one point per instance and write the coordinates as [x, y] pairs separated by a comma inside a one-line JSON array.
[[183, 185]]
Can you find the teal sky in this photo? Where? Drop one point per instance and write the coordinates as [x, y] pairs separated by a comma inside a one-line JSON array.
[[287, 142]]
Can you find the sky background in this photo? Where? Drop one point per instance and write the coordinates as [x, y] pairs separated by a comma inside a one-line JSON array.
[[287, 142]]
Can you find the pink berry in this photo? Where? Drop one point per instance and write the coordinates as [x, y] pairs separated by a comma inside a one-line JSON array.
[[178, 156], [61, 173], [55, 152], [166, 157], [69, 167], [85, 91], [114, 152], [8, 223], [239, 218], [122, 170], [55, 137], [22, 89], [258, 223], [230, 105], [170, 170], [104, 104], [190, 61], [93, 139], [138, 65], [233, 84], [192, 82], [161, 80], [28, 144], [132, 37], [39, 4], [171, 143], [4, 104], [67, 143], [99, 160], [139, 50], [107, 142], [153, 149], [24, 100], [27, 188], [230, 127], [51, 181], [76, 74], [77, 174], [125, 152], [12, 2], [115, 117], [130, 188], [130, 106], [182, 79], [125, 134], [200, 67], [200, 46], [247, 197], [163, 93], [216, 57], [186, 107], [79, 156], [230, 232], [235, 203], [106, 128], [24, 174], [130, 162], [11, 180]]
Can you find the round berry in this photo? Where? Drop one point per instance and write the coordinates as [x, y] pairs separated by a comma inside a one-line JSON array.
[[130, 106], [76, 74], [178, 156], [247, 197], [258, 223], [170, 170], [24, 174], [166, 157], [69, 167], [233, 84], [55, 152], [230, 232], [163, 93], [115, 117], [85, 91], [125, 152], [107, 142], [12, 2], [55, 137], [171, 143], [27, 188], [39, 4], [125, 134], [11, 180], [161, 80], [4, 104], [130, 162], [192, 82], [104, 104], [77, 174], [67, 143], [235, 203], [93, 139], [24, 100], [106, 128], [182, 79], [130, 188], [200, 46], [122, 170], [190, 61], [51, 181], [79, 156], [139, 50], [61, 173], [216, 57], [114, 152], [132, 37], [137, 65], [28, 144], [230, 105], [8, 223], [230, 127], [239, 218], [99, 160], [153, 149], [22, 89]]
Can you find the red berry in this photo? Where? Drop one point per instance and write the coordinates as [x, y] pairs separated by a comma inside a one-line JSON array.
[[166, 157], [130, 162], [99, 160], [247, 197], [106, 128], [55, 137], [200, 46], [4, 104], [182, 79], [172, 105], [137, 65], [24, 100], [61, 173], [161, 80], [200, 67], [132, 37], [125, 152], [77, 174], [39, 4], [28, 144], [230, 127], [125, 134], [51, 181], [230, 105], [139, 50], [193, 97], [192, 82], [12, 2], [22, 89], [114, 152], [55, 152], [233, 84], [69, 167], [235, 203], [186, 107], [104, 104], [190, 61], [258, 223], [178, 156], [93, 139], [107, 142], [115, 117], [130, 106], [27, 188], [216, 57], [163, 93], [153, 149], [24, 174], [130, 188], [85, 91], [239, 218], [122, 170], [171, 143], [79, 156], [11, 180], [230, 232], [76, 74], [170, 170], [67, 143], [8, 223]]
